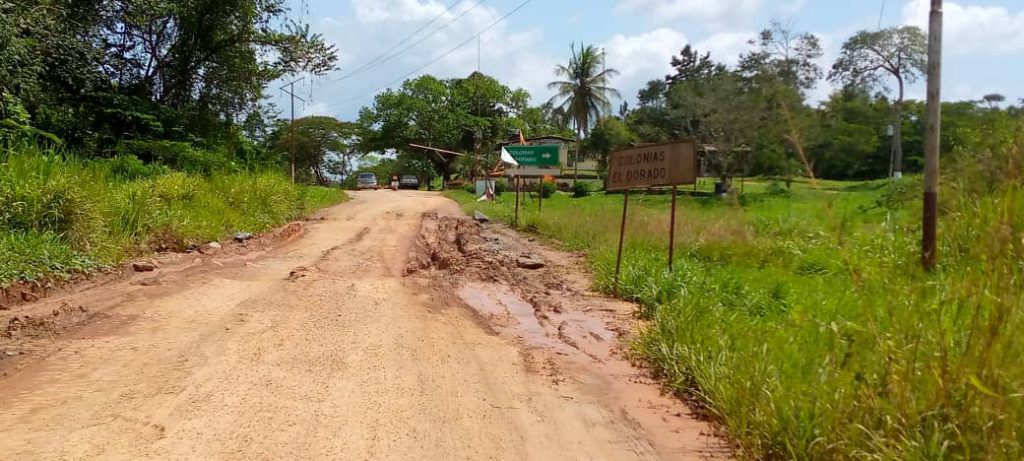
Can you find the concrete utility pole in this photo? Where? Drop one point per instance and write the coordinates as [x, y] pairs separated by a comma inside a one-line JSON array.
[[291, 92], [931, 139]]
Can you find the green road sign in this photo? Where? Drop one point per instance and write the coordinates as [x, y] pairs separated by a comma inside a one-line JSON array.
[[535, 155]]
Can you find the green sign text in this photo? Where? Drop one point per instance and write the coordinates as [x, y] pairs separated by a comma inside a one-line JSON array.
[[535, 155]]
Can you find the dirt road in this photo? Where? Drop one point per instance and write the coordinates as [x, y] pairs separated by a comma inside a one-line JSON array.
[[318, 348]]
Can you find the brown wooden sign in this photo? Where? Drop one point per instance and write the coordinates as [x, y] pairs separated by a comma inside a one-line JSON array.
[[669, 164]]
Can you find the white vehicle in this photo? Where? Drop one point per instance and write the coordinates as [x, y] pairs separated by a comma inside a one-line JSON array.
[[366, 181]]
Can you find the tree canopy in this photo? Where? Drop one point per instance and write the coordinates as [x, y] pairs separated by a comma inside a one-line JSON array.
[[462, 115], [102, 71], [868, 57], [584, 93]]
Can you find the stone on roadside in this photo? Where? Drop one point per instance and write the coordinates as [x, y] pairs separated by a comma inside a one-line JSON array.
[[529, 261], [210, 248], [144, 266]]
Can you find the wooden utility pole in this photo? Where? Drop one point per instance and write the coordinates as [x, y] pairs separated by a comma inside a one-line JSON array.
[[291, 92], [932, 140], [622, 240], [672, 231]]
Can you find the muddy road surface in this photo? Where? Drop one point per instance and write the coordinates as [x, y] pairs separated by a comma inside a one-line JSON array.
[[371, 334]]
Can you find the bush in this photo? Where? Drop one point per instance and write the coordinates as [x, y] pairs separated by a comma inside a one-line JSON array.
[[776, 188], [548, 189], [580, 190], [129, 167], [178, 155]]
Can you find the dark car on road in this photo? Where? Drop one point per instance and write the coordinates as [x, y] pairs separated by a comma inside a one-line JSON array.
[[409, 181]]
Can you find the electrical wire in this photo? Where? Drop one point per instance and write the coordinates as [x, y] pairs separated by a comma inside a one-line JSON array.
[[438, 58], [881, 14], [420, 42], [403, 42]]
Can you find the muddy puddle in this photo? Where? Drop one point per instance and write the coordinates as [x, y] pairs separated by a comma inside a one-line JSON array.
[[552, 313]]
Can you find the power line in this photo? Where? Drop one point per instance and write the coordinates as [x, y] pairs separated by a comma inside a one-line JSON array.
[[291, 92], [881, 14], [446, 54], [420, 42], [403, 42]]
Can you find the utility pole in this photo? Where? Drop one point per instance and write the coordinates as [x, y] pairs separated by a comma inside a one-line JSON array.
[[291, 92], [931, 139]]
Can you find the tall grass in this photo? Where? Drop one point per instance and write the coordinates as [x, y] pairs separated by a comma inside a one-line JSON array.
[[804, 324], [61, 215]]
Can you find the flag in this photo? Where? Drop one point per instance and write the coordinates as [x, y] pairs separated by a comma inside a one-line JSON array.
[[507, 157]]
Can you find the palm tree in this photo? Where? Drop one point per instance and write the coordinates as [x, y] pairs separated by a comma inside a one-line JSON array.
[[584, 93]]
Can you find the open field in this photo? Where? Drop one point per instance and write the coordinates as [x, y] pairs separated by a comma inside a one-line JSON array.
[[803, 323]]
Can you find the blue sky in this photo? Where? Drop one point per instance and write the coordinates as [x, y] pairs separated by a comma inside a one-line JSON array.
[[983, 50]]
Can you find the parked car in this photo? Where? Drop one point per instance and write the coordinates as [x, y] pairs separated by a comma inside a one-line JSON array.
[[409, 181], [366, 181]]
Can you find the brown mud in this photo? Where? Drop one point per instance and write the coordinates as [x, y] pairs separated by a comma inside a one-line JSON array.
[[567, 330]]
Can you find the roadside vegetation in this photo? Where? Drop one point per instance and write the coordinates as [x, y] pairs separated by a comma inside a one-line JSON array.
[[61, 215], [142, 127], [801, 321]]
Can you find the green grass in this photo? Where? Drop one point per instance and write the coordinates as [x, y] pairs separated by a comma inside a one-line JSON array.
[[61, 215], [803, 323]]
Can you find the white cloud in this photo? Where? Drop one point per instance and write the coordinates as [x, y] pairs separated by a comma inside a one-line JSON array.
[[374, 11], [378, 25], [713, 10], [792, 7], [641, 58], [726, 47], [973, 28], [317, 108]]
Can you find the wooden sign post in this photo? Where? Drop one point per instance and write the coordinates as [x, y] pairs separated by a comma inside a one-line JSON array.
[[534, 161], [518, 182], [669, 164], [540, 195], [622, 239]]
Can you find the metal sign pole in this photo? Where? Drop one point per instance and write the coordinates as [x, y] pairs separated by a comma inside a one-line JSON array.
[[672, 231], [622, 238]]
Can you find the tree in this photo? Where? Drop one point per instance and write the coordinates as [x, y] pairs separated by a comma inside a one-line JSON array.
[[20, 60], [607, 136], [690, 65], [868, 57], [584, 94], [784, 55], [782, 68], [454, 114], [322, 145], [653, 95], [724, 112], [994, 100], [853, 149], [104, 72]]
